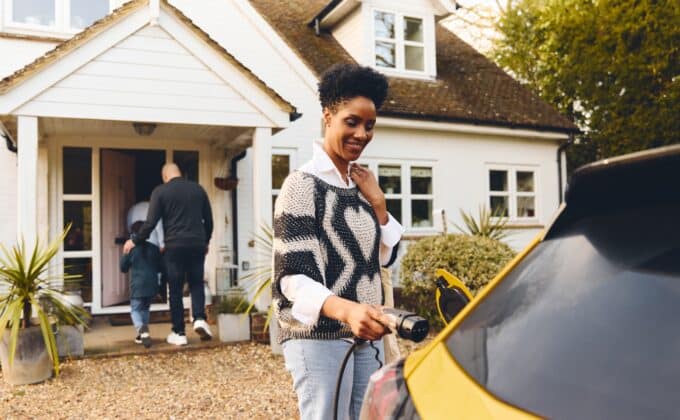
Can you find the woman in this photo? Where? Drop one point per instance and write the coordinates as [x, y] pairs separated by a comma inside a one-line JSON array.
[[332, 232]]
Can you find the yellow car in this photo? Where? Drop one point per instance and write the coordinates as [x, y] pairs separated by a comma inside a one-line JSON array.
[[583, 324]]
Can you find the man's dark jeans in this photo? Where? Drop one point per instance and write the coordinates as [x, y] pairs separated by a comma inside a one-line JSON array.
[[181, 264]]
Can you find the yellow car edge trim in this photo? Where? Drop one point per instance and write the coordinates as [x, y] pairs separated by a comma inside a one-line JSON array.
[[413, 360], [451, 393]]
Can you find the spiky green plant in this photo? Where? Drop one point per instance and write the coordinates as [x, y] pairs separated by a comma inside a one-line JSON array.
[[490, 223], [259, 279], [28, 285]]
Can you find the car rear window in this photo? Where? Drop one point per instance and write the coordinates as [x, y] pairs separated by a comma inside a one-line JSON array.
[[588, 324]]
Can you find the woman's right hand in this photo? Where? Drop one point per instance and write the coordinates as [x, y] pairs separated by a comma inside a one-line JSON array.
[[364, 320]]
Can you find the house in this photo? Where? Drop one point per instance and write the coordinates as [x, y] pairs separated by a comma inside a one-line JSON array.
[[98, 94]]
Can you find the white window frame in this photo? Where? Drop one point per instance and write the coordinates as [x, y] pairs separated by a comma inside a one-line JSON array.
[[406, 196], [62, 20], [291, 153], [512, 192], [400, 44]]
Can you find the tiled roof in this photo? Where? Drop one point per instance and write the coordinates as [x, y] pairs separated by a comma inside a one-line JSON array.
[[99, 26], [469, 87]]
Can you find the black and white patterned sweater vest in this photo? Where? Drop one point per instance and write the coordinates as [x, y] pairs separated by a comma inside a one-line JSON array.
[[331, 235]]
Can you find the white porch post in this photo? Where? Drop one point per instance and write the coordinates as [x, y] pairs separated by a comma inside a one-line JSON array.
[[262, 177], [27, 183], [262, 209]]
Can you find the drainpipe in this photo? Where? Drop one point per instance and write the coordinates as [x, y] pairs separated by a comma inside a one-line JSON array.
[[562, 147], [234, 206], [9, 142]]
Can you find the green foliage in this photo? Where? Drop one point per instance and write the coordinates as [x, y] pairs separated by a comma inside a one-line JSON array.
[[474, 259], [489, 224], [25, 275], [612, 66], [234, 305], [259, 280]]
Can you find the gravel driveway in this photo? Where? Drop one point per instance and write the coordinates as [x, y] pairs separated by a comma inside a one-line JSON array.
[[240, 381], [243, 381]]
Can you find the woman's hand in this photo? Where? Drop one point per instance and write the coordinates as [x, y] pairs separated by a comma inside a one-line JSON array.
[[368, 185], [366, 321]]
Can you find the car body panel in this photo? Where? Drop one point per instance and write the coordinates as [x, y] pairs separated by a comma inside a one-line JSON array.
[[452, 393]]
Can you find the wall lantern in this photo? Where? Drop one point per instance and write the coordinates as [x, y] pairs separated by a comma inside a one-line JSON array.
[[144, 129]]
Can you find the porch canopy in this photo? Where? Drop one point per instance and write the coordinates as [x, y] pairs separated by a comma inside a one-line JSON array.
[[145, 62]]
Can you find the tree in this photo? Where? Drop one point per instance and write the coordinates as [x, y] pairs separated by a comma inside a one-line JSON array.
[[613, 66]]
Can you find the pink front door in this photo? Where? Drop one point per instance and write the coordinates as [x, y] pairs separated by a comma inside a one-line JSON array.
[[118, 194]]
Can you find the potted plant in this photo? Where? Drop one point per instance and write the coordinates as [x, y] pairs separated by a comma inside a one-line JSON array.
[[71, 338], [233, 322], [29, 353]]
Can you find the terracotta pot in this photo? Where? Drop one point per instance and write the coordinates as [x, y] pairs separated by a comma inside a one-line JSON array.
[[31, 364]]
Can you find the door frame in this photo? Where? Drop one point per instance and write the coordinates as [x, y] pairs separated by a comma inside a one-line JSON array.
[[96, 143]]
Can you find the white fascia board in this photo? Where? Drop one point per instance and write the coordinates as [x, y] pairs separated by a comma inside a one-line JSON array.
[[72, 61], [225, 70], [469, 128], [279, 46], [338, 13]]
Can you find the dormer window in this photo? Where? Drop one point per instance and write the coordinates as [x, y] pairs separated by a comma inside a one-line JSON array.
[[84, 13], [54, 16], [399, 41], [34, 13]]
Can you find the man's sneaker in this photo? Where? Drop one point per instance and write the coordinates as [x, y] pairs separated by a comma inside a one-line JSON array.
[[177, 339], [146, 339], [138, 339], [202, 329]]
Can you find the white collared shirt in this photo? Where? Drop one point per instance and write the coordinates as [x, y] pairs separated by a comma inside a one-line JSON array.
[[307, 295]]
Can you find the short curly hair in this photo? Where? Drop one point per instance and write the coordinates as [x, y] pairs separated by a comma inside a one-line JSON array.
[[343, 82]]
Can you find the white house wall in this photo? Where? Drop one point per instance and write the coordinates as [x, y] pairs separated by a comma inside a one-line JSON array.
[[350, 34], [148, 76], [461, 162]]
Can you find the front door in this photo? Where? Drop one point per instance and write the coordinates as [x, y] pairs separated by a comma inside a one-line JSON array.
[[118, 195]]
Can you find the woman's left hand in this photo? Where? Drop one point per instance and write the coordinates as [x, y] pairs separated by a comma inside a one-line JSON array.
[[368, 185]]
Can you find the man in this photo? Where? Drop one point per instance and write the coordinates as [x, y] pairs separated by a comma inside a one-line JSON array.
[[187, 226]]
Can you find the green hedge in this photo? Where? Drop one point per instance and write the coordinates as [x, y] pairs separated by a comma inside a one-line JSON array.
[[473, 259]]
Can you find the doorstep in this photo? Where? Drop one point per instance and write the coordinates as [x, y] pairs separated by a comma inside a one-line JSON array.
[[102, 339]]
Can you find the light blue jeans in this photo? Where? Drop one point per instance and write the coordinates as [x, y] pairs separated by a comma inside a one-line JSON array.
[[139, 311], [314, 365]]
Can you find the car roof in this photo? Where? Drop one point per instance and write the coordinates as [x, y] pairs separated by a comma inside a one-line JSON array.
[[647, 178]]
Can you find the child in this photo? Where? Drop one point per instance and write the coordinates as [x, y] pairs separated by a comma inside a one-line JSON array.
[[145, 261]]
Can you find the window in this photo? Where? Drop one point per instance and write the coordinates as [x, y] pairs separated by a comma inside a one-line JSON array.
[[60, 16], [408, 192], [389, 178], [421, 196], [282, 161], [512, 192], [84, 13], [76, 211], [35, 13], [399, 42]]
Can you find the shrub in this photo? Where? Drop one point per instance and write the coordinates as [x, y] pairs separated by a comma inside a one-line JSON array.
[[233, 305], [474, 259]]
